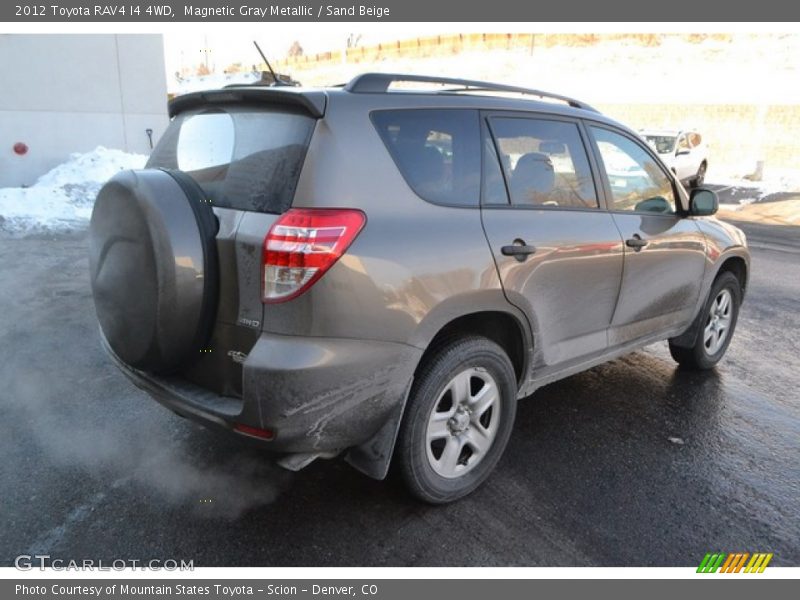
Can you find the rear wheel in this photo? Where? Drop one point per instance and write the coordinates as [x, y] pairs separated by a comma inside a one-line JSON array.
[[458, 420], [716, 326]]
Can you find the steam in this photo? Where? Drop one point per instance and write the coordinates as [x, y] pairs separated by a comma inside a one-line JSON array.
[[149, 453]]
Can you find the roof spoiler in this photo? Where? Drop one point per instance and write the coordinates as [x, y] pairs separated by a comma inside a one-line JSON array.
[[313, 101]]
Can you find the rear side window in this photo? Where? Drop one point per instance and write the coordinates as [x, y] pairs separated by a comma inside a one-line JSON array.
[[544, 161], [436, 151], [242, 157]]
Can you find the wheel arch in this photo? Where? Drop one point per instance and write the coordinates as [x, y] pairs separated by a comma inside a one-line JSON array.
[[501, 327], [738, 266], [510, 331], [733, 263]]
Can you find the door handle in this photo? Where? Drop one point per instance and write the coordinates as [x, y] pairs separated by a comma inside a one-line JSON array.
[[636, 242], [519, 250]]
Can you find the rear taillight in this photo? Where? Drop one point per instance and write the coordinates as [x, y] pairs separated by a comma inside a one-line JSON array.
[[301, 245]]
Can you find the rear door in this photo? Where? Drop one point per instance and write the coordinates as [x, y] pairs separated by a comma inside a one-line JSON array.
[[247, 160], [558, 252], [664, 251]]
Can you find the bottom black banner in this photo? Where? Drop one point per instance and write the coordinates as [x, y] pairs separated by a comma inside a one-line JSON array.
[[378, 589]]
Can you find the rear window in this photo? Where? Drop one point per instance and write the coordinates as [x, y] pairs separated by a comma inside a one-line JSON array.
[[242, 157], [436, 151]]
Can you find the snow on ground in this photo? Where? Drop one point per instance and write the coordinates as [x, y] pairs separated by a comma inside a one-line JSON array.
[[62, 199], [774, 181]]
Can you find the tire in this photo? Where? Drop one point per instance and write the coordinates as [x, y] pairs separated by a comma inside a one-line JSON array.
[[700, 177], [464, 445], [153, 265], [715, 326]]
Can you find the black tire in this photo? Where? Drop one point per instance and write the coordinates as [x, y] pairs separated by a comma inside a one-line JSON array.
[[476, 360], [698, 357], [700, 177]]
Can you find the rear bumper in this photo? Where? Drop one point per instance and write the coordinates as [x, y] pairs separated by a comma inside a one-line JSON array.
[[318, 395]]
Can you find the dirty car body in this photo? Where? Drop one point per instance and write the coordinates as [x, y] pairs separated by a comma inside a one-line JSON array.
[[314, 359]]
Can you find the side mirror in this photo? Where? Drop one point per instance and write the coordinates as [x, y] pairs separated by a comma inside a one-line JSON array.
[[703, 202]]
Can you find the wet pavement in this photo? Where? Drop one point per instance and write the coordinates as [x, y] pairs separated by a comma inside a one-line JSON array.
[[632, 463]]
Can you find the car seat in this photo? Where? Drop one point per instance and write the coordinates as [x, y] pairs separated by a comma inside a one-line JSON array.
[[533, 179]]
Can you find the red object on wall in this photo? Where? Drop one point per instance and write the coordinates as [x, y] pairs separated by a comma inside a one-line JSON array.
[[20, 148]]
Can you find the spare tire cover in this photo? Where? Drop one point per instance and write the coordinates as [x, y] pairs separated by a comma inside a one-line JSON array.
[[153, 267]]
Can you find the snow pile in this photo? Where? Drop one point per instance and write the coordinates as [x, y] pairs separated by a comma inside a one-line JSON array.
[[781, 180], [776, 184], [62, 199]]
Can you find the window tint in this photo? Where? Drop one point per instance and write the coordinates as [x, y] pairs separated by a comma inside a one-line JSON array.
[[242, 158], [637, 182], [544, 161], [436, 151]]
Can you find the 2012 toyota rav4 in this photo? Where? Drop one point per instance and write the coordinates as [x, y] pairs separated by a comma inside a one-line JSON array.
[[382, 273]]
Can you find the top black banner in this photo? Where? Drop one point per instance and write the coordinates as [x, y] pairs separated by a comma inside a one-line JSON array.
[[266, 11]]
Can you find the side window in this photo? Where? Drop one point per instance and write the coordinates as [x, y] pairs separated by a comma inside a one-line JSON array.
[[637, 182], [544, 161], [683, 143], [437, 152]]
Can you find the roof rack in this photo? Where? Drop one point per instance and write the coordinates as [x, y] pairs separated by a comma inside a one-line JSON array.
[[379, 83]]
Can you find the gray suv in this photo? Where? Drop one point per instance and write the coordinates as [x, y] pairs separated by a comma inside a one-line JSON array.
[[381, 272]]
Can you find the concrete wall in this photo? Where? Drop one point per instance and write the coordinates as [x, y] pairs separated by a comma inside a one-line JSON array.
[[70, 93]]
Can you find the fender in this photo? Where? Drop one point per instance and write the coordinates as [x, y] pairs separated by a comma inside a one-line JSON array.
[[374, 456], [688, 338]]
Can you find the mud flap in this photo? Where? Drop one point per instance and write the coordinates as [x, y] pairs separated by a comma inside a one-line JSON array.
[[688, 338], [374, 456]]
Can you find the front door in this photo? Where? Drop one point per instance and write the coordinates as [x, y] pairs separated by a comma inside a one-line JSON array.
[[664, 252]]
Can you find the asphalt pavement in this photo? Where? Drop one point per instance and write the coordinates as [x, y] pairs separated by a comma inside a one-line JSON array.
[[631, 463]]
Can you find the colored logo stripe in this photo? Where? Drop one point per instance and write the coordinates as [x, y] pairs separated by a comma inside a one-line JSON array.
[[758, 563], [710, 563], [734, 562]]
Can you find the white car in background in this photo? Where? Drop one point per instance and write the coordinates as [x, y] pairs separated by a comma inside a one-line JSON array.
[[683, 151]]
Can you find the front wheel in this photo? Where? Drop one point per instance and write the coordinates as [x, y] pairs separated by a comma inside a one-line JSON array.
[[717, 322], [458, 420]]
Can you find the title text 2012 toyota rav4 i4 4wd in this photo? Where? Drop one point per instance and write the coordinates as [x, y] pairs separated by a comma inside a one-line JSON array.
[[382, 273]]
